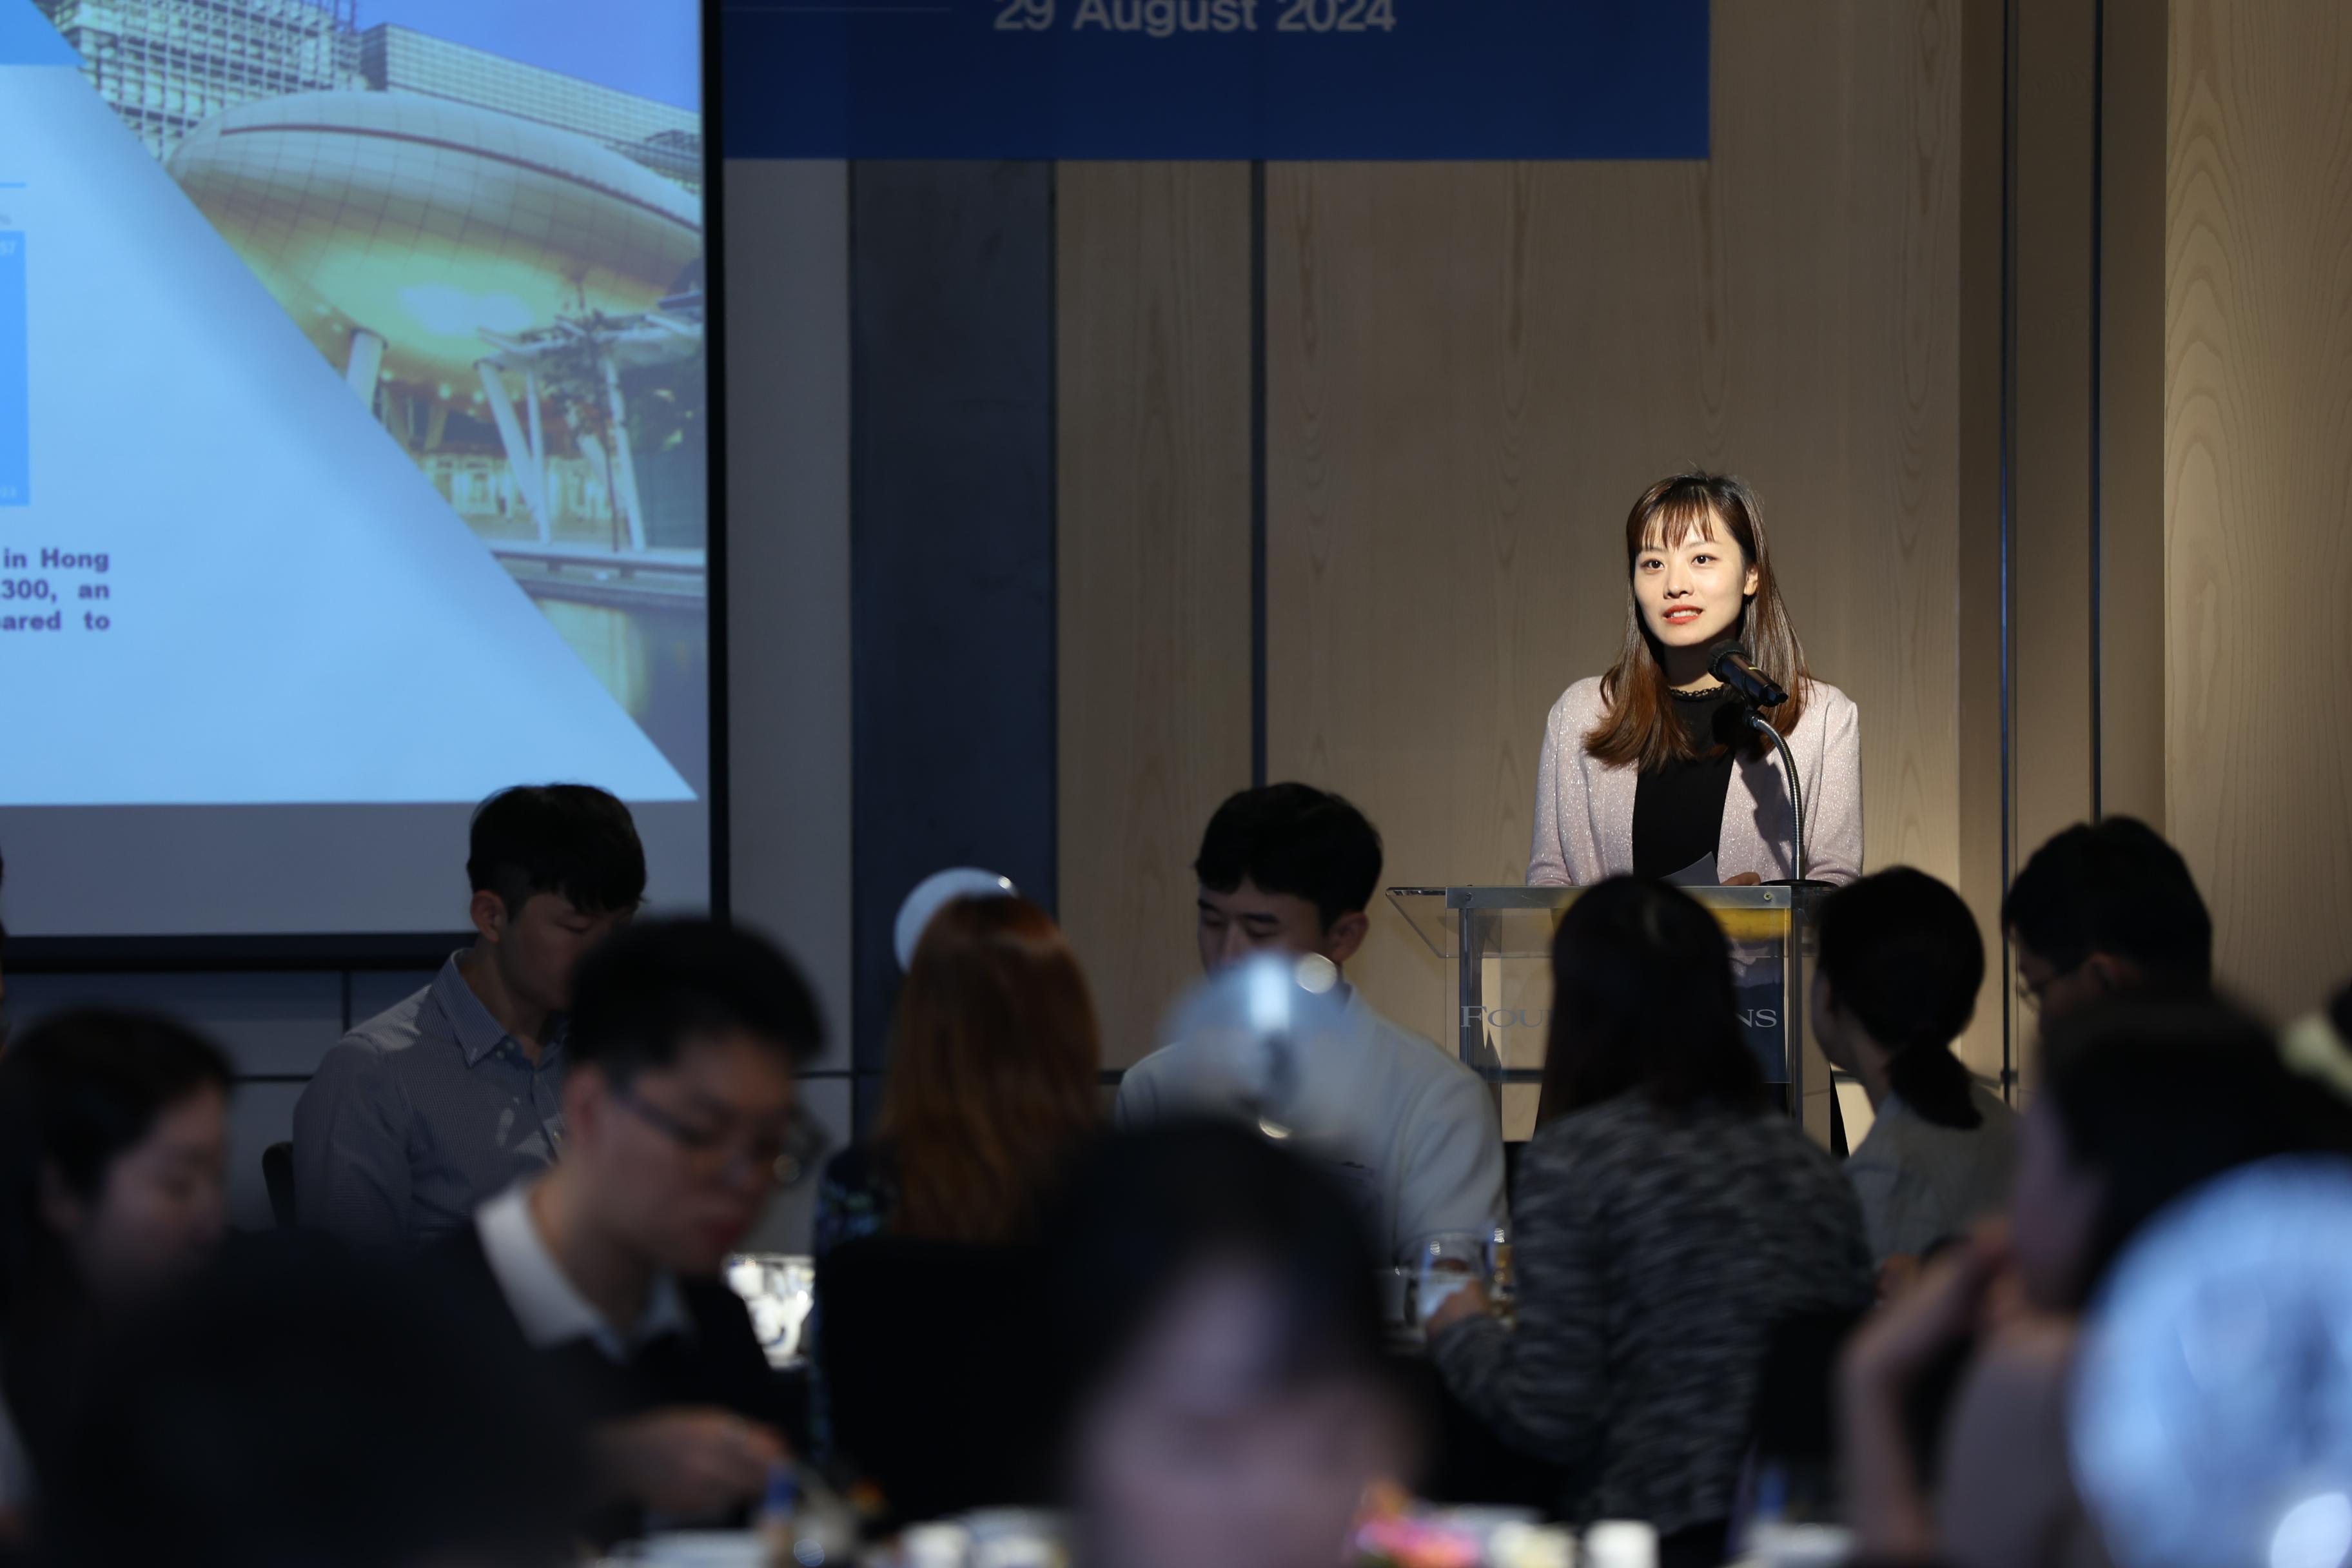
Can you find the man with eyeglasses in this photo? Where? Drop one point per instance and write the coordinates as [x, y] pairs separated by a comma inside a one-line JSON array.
[[685, 1037], [2103, 908]]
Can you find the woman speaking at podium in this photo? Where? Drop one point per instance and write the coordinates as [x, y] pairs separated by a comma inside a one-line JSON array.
[[1653, 768]]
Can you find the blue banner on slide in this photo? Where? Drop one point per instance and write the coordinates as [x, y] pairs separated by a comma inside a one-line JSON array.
[[15, 376], [26, 38], [1216, 79]]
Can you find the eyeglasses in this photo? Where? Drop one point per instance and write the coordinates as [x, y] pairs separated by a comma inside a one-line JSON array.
[[713, 1152], [2030, 992]]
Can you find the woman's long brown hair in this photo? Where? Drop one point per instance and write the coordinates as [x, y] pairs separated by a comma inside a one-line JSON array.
[[1639, 725], [994, 1072]]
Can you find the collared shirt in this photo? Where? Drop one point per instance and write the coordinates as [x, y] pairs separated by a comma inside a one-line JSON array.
[[1921, 1183], [1405, 1127], [549, 1307], [420, 1116]]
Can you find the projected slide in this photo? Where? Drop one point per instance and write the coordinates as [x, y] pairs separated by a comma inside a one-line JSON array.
[[353, 401]]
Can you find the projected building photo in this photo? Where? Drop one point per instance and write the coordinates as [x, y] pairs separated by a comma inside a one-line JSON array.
[[503, 261]]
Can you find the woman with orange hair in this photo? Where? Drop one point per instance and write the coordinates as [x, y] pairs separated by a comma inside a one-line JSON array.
[[995, 1089], [995, 1074], [1653, 769]]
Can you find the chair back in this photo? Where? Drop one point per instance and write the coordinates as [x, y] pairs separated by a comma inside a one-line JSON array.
[[935, 1372], [278, 1174]]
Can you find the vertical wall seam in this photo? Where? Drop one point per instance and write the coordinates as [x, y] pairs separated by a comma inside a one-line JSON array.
[[861, 1110], [1257, 473], [1053, 847], [2007, 519], [719, 798], [2099, 403]]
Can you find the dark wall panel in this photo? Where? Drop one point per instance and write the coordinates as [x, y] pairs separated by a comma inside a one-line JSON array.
[[951, 540]]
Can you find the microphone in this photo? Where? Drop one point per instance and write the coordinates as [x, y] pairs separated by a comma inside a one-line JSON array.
[[1731, 666]]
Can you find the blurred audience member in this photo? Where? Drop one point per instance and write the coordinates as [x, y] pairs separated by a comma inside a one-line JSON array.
[[2142, 1101], [1210, 1299], [1896, 984], [2319, 1047], [113, 1159], [288, 1412], [995, 1078], [1291, 869], [2206, 1413], [1667, 1220], [429, 1109], [2106, 906], [994, 1086], [679, 1106]]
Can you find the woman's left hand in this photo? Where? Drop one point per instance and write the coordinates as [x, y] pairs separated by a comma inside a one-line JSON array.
[[1469, 1302]]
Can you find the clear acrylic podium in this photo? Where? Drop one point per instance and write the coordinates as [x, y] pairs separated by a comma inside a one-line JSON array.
[[1499, 942]]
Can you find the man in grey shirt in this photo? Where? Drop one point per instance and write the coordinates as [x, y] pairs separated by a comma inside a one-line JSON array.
[[1901, 961], [429, 1109]]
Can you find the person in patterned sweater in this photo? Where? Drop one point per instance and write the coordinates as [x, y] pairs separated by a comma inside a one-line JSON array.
[[1667, 1220]]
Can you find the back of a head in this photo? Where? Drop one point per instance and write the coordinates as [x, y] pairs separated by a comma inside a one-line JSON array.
[[995, 1069], [1293, 838], [1145, 1213], [289, 1411], [2115, 886], [2206, 1413], [1642, 1002], [644, 994], [76, 1090], [2158, 1096], [573, 840], [1902, 954]]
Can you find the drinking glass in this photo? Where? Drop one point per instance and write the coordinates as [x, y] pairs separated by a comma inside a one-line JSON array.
[[1448, 1262]]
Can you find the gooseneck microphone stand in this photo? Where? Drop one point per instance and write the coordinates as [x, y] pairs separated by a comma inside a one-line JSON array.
[[1757, 722], [1756, 691]]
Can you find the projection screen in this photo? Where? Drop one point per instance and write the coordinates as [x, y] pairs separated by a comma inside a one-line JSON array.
[[354, 433]]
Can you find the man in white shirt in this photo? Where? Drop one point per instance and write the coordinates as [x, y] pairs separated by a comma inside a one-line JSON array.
[[605, 1273], [1289, 868]]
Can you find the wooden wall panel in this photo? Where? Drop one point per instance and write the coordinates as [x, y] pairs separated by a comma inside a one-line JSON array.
[[2053, 725], [1472, 371], [2258, 483], [1154, 561], [1983, 361], [2052, 733], [2131, 426]]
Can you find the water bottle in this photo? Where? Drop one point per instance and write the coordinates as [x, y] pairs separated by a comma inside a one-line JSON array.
[[936, 1546], [1448, 1263], [804, 1523], [779, 1514], [1621, 1543], [1502, 1279]]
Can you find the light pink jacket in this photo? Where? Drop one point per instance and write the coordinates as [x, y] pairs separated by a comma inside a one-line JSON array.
[[1584, 808]]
